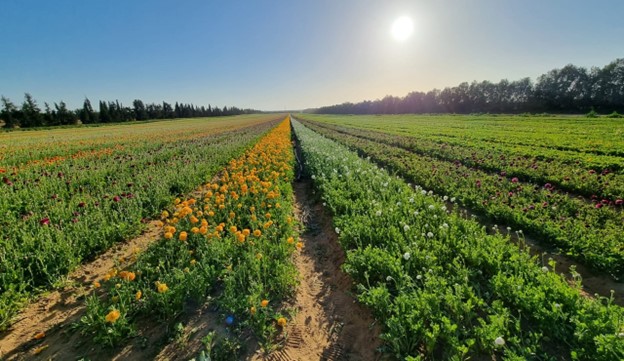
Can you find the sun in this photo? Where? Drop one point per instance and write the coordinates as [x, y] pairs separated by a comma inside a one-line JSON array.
[[402, 28]]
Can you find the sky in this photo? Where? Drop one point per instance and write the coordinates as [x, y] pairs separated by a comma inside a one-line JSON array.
[[286, 54]]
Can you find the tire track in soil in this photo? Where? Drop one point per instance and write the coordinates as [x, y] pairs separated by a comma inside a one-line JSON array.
[[329, 324]]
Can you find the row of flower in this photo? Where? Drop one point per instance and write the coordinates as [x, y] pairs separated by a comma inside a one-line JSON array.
[[590, 232], [441, 286], [232, 245], [601, 178], [55, 216]]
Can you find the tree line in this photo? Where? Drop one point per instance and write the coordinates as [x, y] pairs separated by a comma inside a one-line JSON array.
[[30, 115], [571, 89]]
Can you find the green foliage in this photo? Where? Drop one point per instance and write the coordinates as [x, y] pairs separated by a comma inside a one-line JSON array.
[[450, 290]]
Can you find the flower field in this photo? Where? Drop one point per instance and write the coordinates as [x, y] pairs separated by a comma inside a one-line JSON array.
[[234, 242], [441, 286], [69, 194], [229, 228], [570, 200]]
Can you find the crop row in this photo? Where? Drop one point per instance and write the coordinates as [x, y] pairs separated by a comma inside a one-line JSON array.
[[56, 216], [441, 286], [593, 138], [233, 243], [570, 175], [588, 232]]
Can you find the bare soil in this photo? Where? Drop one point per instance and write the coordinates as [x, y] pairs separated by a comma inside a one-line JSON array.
[[329, 324]]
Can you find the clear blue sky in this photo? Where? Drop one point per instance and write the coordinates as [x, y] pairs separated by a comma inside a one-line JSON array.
[[287, 54]]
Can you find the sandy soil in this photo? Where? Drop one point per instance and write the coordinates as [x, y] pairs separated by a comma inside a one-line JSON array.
[[329, 324]]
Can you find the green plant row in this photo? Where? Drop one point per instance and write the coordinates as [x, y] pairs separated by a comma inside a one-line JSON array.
[[56, 216], [441, 286], [233, 246], [598, 140], [530, 166], [590, 234]]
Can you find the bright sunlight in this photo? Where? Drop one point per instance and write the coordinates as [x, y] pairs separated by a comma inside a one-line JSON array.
[[402, 28]]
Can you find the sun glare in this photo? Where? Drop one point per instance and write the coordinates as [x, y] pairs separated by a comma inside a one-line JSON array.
[[402, 28]]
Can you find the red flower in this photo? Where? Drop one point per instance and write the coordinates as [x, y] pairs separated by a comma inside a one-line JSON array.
[[116, 199], [599, 205], [44, 221], [619, 202]]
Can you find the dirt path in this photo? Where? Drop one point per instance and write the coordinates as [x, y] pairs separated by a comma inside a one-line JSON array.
[[53, 312], [329, 324]]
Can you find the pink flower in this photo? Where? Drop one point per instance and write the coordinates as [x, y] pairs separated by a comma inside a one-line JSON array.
[[599, 205], [514, 180], [116, 199], [619, 202], [44, 221]]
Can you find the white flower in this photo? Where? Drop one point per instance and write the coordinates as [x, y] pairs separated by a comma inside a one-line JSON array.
[[621, 335], [313, 176], [406, 256], [415, 213], [418, 277], [508, 229], [378, 213], [337, 230], [398, 204], [411, 200], [430, 192], [445, 225], [445, 198], [429, 234], [406, 228], [324, 204], [453, 200], [389, 278], [431, 206], [544, 269], [443, 208], [424, 192], [499, 341]]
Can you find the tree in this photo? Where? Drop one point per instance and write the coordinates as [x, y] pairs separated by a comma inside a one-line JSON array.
[[9, 114], [104, 114], [87, 115], [140, 112], [31, 114]]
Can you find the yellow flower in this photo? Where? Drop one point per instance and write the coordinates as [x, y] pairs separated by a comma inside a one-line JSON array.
[[162, 287], [168, 235], [257, 233], [195, 230], [299, 245], [126, 275], [138, 295], [233, 229], [281, 322], [264, 303], [252, 310], [112, 316], [164, 214], [290, 240], [258, 256], [193, 262]]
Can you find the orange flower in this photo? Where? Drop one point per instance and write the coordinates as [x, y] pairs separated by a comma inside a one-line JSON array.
[[168, 235], [39, 336], [281, 322], [264, 303], [112, 316], [257, 233], [299, 245], [96, 284], [126, 275], [233, 229], [195, 230], [183, 236], [246, 232]]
